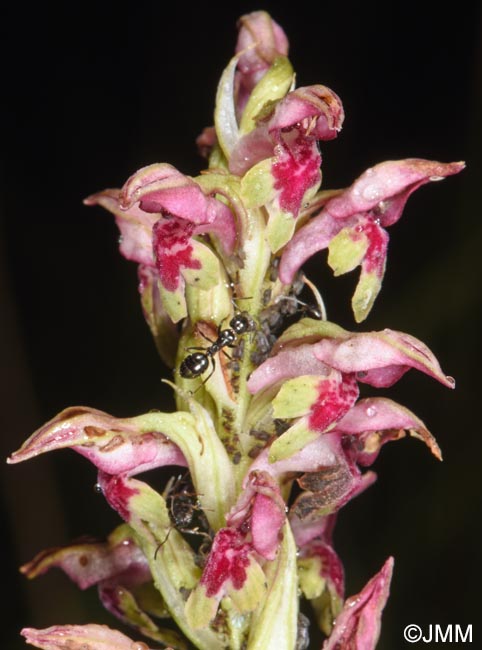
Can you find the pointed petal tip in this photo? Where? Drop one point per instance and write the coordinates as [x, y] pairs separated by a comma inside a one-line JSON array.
[[449, 381], [98, 197]]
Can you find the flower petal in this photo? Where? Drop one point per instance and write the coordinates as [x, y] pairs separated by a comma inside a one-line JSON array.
[[88, 563], [128, 607], [172, 242], [321, 576], [380, 358], [376, 420], [272, 87], [358, 625], [365, 244], [113, 445], [331, 399], [315, 110], [260, 509], [163, 190], [290, 132], [134, 224], [322, 452], [163, 329], [260, 41], [80, 637], [179, 257], [314, 236], [230, 570], [288, 363], [387, 186]]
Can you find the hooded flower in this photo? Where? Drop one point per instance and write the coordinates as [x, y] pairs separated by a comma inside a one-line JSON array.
[[260, 41], [280, 159], [232, 569], [352, 225], [159, 211], [317, 367]]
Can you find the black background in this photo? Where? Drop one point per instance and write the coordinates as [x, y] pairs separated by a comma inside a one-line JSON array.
[[92, 94]]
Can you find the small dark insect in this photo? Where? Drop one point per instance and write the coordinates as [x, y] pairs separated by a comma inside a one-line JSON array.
[[303, 633], [196, 364], [184, 510]]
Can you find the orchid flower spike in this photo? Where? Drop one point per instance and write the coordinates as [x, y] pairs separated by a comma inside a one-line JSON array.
[[271, 435]]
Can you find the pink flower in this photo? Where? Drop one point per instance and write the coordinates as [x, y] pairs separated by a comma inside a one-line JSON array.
[[358, 626], [352, 224], [314, 388], [288, 134], [252, 533], [260, 40], [159, 211], [376, 358]]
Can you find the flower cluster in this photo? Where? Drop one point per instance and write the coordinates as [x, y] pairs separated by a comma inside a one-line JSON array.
[[270, 432]]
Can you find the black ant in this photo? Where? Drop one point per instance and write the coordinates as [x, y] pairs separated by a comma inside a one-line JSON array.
[[184, 509], [195, 364]]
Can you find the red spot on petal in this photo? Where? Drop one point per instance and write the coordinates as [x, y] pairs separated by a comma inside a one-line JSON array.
[[374, 261], [297, 168], [335, 398], [331, 566], [173, 250], [228, 560], [118, 494]]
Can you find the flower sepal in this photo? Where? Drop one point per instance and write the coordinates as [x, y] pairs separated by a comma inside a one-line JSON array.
[[113, 445], [121, 572], [80, 637], [358, 624]]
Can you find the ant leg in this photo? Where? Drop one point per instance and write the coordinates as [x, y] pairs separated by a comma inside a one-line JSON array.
[[208, 377], [162, 543], [206, 338]]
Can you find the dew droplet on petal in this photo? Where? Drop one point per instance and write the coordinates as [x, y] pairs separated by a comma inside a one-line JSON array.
[[451, 380], [371, 411], [371, 193]]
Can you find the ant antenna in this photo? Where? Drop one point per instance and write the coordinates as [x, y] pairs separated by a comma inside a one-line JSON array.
[[317, 295]]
